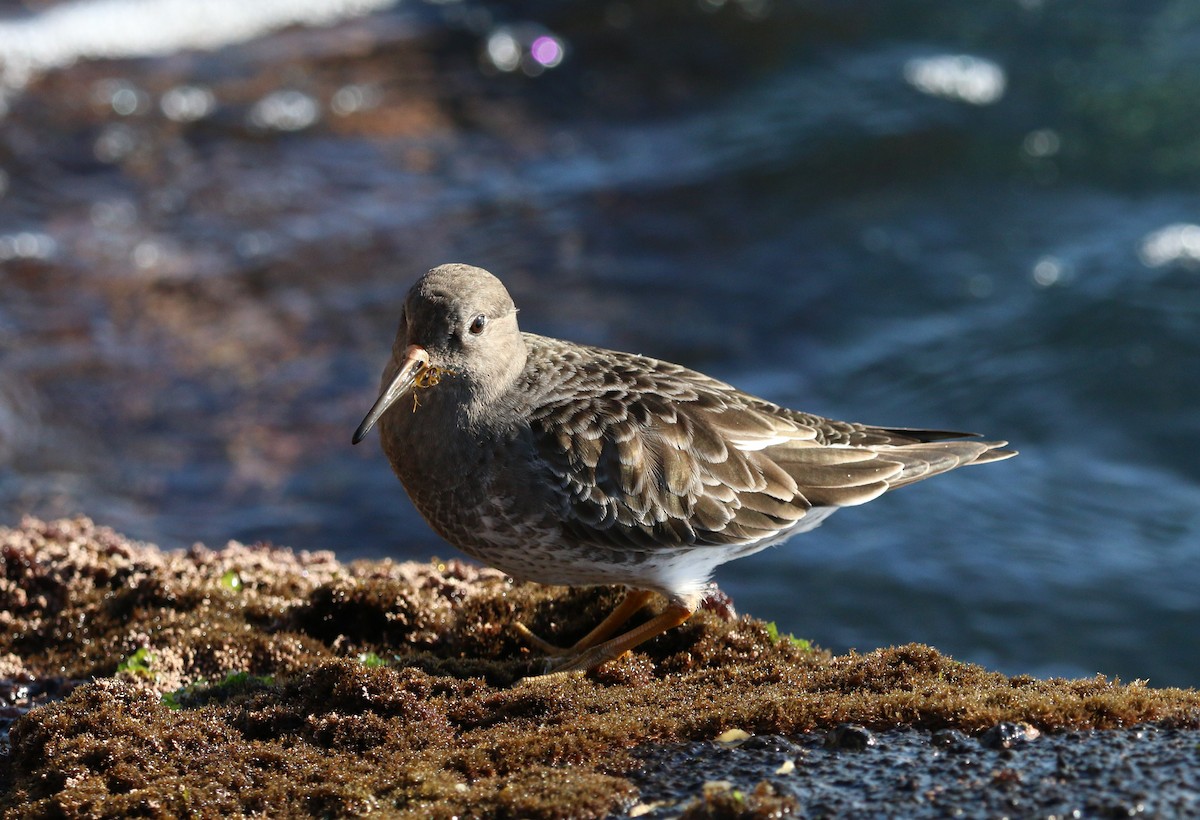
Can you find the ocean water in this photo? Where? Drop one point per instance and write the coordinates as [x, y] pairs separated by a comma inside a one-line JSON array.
[[970, 216]]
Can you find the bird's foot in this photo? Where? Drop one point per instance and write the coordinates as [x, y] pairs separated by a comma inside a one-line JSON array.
[[561, 662], [579, 660], [572, 665], [537, 641], [632, 602]]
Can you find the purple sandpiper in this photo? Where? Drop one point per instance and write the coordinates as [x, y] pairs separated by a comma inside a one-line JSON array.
[[567, 464]]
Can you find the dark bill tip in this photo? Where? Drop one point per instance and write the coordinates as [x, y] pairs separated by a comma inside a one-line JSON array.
[[415, 359], [362, 431]]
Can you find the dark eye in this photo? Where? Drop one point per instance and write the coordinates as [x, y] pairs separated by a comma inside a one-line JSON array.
[[478, 324]]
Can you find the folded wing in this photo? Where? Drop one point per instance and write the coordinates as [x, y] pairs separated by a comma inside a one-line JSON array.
[[653, 456]]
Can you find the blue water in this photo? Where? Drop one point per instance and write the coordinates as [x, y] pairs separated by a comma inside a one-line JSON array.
[[969, 216]]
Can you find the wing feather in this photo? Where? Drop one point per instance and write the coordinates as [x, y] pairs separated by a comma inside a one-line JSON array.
[[647, 455]]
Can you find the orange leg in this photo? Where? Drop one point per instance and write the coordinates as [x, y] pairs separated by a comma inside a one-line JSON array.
[[591, 657], [634, 599]]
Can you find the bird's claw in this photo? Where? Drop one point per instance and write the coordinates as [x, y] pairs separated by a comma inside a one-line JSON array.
[[538, 642]]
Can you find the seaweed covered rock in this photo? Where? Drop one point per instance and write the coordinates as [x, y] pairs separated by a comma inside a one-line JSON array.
[[252, 679]]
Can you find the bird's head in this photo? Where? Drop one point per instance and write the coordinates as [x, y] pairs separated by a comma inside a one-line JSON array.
[[459, 323]]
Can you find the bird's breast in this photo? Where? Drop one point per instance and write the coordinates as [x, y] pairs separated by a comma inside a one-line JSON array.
[[473, 485]]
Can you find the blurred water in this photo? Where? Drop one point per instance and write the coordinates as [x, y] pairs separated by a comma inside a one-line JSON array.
[[978, 216]]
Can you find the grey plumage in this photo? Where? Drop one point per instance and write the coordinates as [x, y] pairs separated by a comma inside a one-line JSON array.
[[563, 463]]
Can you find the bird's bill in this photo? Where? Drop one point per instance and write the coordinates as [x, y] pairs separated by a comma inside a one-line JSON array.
[[415, 360]]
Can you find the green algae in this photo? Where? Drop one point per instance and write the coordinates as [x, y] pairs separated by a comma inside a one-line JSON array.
[[371, 660], [776, 636], [203, 691], [139, 664], [231, 581]]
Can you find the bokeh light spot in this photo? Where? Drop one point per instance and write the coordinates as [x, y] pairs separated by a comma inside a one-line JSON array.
[[959, 77], [547, 50]]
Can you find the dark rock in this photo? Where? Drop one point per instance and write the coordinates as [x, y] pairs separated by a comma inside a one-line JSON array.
[[1008, 735], [849, 736], [772, 743], [949, 739]]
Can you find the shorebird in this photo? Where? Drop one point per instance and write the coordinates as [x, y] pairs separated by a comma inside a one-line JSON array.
[[563, 463]]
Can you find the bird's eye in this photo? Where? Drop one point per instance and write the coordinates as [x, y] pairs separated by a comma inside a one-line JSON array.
[[478, 324]]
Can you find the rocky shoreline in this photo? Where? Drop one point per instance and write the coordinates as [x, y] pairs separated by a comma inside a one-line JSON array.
[[252, 679]]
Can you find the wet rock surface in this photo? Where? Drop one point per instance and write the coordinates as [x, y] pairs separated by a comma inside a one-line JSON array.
[[1142, 771], [252, 679]]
